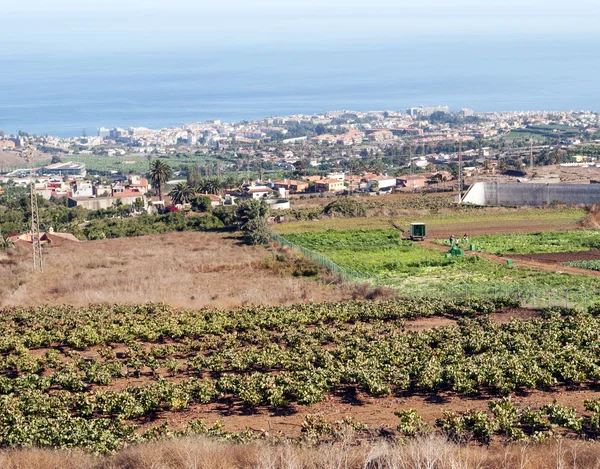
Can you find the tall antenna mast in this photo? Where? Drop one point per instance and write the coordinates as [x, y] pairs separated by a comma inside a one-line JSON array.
[[531, 155], [38, 264], [410, 157], [460, 172]]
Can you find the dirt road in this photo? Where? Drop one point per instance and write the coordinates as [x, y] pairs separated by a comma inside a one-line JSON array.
[[520, 261]]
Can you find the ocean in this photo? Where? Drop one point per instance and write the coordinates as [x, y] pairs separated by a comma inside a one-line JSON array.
[[66, 93]]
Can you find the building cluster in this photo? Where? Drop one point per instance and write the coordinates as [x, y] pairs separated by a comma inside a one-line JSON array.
[[342, 182], [277, 139], [69, 180]]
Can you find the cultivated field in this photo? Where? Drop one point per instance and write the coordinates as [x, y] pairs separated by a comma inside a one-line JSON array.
[[288, 373], [474, 221], [184, 269], [415, 268]]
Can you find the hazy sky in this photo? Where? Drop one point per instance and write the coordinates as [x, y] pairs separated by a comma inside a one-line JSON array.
[[96, 26]]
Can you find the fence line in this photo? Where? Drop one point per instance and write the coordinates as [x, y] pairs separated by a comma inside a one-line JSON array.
[[323, 261], [532, 294]]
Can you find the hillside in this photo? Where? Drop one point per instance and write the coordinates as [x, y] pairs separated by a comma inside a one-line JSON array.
[[183, 269]]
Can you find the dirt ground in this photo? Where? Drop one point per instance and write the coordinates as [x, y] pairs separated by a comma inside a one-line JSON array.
[[10, 158], [514, 226], [531, 261], [372, 411], [186, 270], [557, 257]]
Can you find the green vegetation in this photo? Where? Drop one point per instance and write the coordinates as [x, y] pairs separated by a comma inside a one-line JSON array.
[[417, 270], [545, 241], [64, 372], [455, 219], [160, 173], [114, 222], [145, 225], [592, 264], [252, 218]]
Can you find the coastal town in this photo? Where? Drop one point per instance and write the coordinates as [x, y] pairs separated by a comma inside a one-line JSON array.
[[423, 149]]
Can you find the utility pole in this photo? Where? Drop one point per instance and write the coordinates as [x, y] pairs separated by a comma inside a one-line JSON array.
[[410, 158], [460, 172], [38, 264], [531, 156]]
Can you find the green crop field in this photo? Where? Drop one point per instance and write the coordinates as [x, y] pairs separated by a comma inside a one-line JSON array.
[[531, 243], [592, 265], [415, 269], [455, 220]]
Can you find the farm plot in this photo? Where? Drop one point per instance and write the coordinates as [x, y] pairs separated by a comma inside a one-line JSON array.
[[416, 270], [480, 221], [103, 377], [539, 242]]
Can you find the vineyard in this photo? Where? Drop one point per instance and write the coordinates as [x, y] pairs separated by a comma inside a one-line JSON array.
[[103, 377]]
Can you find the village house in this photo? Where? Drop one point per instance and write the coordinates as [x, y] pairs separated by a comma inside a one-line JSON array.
[[291, 185], [257, 192], [415, 181], [382, 183], [329, 185], [139, 183]]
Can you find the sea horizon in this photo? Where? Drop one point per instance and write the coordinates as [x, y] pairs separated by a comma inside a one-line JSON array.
[[65, 94]]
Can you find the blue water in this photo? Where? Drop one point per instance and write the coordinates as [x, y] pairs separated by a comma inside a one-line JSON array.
[[62, 94]]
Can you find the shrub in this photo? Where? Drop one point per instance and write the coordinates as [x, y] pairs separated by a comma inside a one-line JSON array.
[[201, 204], [346, 207]]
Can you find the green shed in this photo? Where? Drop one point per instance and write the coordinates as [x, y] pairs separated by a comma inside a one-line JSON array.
[[417, 231]]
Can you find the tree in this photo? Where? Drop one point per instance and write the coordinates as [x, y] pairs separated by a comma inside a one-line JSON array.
[[300, 167], [346, 207], [55, 159], [252, 218], [160, 172], [320, 129], [182, 193], [5, 242], [201, 204]]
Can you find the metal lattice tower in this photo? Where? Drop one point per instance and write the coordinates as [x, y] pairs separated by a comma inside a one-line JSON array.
[[38, 264]]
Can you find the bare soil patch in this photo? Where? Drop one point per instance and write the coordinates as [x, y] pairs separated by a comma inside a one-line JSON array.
[[372, 411], [558, 257], [186, 270]]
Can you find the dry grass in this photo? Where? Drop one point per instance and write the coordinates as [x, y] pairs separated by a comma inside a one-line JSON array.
[[15, 265], [433, 452], [592, 219], [189, 269]]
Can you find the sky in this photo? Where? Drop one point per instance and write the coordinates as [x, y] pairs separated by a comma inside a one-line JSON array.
[[94, 26]]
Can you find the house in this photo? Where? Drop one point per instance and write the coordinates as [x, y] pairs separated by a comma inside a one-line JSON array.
[[329, 185], [382, 182], [257, 192], [381, 135], [215, 200], [83, 189], [411, 181], [96, 203], [291, 185], [139, 183], [49, 237], [325, 139], [102, 190]]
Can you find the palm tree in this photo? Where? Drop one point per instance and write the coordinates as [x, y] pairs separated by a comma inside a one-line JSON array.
[[160, 172], [182, 193]]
